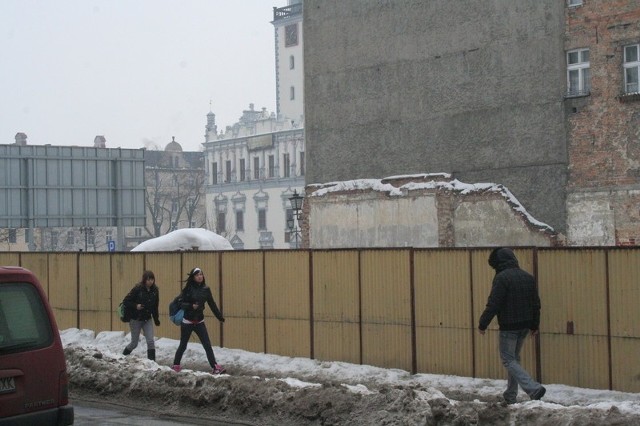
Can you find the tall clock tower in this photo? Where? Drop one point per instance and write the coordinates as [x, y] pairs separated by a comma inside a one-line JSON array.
[[287, 22]]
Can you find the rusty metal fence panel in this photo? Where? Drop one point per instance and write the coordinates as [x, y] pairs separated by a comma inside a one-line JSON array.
[[243, 303], [573, 289], [624, 297], [287, 302], [444, 325], [62, 276], [94, 291], [10, 259], [336, 306], [386, 308]]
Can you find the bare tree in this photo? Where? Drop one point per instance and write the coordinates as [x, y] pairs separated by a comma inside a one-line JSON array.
[[173, 199]]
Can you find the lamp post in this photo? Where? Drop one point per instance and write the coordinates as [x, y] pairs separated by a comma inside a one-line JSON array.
[[86, 230], [294, 229]]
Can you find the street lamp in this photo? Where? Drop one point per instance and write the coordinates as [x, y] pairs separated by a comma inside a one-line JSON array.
[[296, 206], [86, 230]]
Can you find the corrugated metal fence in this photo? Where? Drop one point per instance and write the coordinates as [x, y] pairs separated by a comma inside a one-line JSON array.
[[414, 309]]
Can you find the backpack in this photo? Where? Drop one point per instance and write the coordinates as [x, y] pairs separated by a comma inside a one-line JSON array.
[[123, 313], [175, 312]]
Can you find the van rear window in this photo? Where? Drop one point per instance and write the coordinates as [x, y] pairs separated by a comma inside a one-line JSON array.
[[24, 323]]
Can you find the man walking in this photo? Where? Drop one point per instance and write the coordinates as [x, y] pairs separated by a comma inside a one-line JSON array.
[[514, 299]]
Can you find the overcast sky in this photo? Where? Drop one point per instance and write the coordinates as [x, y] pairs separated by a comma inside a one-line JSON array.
[[137, 72]]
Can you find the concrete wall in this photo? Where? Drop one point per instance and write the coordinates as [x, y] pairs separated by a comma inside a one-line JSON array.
[[465, 87], [419, 212]]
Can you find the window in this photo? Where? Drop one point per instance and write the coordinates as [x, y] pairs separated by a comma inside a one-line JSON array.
[[574, 2], [174, 207], [243, 171], [256, 167], [25, 324], [12, 235], [302, 163], [214, 173], [631, 65], [292, 93], [71, 240], [109, 235], [272, 166], [228, 167], [578, 73], [262, 220], [292, 62], [91, 239], [286, 164], [221, 225], [239, 220], [138, 232], [291, 35]]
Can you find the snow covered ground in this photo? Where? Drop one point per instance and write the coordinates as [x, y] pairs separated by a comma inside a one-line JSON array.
[[266, 389]]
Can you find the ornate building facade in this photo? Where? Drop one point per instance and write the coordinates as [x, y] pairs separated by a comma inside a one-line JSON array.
[[256, 165]]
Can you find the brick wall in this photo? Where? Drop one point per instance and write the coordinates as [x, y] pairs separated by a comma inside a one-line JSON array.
[[604, 127]]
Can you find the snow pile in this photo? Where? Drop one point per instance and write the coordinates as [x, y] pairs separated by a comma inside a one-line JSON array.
[[186, 239], [270, 389]]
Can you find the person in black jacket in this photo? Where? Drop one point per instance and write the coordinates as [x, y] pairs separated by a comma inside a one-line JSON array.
[[193, 298], [514, 299], [142, 302]]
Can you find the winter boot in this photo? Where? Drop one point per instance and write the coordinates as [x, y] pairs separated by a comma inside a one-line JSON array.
[[151, 354], [126, 351]]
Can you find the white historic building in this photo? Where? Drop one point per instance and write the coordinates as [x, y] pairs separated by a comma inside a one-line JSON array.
[[254, 166]]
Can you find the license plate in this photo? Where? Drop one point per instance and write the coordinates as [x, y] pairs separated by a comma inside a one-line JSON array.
[[7, 384]]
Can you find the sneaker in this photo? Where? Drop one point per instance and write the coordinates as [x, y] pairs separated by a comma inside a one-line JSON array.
[[176, 368], [539, 393], [218, 369]]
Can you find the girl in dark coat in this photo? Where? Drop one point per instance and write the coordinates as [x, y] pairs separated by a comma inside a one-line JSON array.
[[142, 302], [193, 298]]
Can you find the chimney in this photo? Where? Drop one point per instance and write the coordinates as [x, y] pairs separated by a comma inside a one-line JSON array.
[[21, 139], [99, 142]]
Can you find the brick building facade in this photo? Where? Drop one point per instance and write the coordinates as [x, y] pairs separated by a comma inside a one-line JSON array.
[[603, 120], [542, 97]]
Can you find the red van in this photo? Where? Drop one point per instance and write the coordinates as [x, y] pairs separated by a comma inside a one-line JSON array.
[[33, 373]]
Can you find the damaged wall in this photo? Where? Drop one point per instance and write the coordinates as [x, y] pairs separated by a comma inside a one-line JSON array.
[[419, 212]]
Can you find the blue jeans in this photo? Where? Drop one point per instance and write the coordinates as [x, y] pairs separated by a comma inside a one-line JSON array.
[[510, 346]]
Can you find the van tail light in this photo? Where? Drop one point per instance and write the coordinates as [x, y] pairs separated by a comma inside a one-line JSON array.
[[64, 388]]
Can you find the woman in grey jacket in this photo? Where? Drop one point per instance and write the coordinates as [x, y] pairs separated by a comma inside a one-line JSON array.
[[193, 297]]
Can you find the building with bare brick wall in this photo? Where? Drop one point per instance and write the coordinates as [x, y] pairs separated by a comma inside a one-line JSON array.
[[602, 106], [541, 97]]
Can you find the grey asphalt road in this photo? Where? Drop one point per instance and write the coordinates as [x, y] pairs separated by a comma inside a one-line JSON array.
[[105, 414]]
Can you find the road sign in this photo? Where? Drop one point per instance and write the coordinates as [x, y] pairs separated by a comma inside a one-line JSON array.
[[112, 245]]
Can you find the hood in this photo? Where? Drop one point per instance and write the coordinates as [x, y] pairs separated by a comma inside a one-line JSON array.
[[502, 258]]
